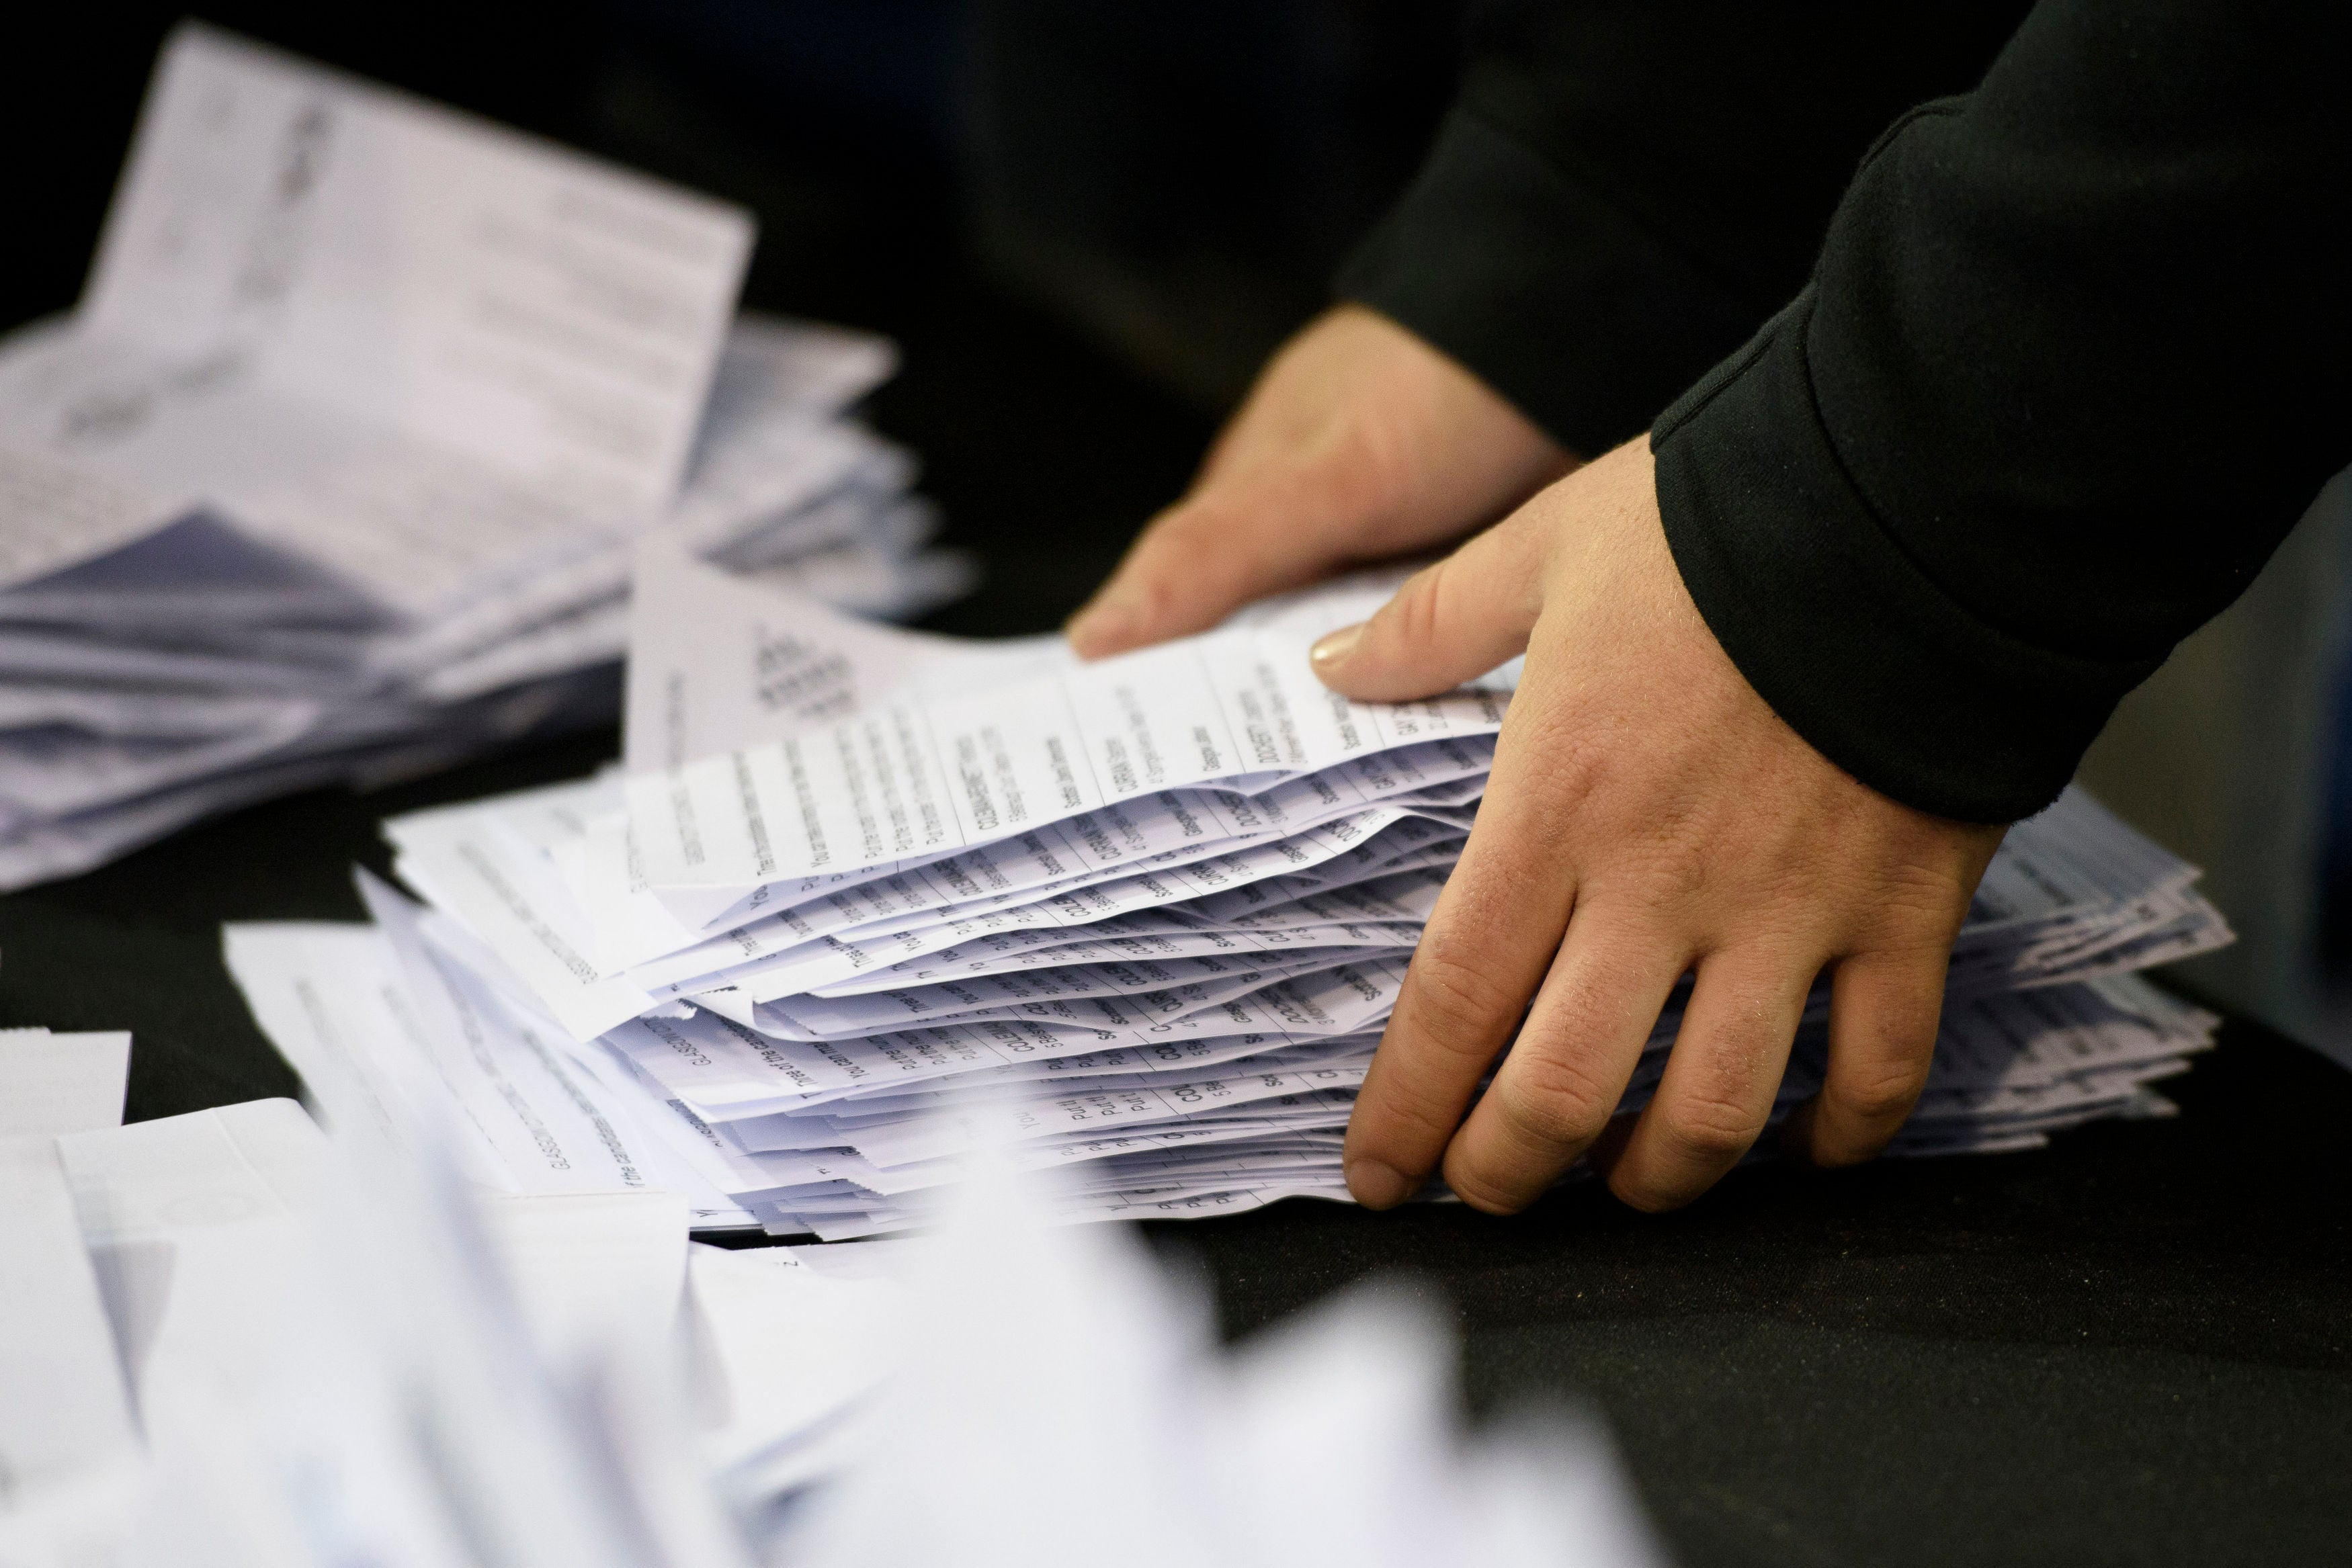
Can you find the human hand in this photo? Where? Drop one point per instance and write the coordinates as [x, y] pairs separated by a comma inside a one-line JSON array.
[[1360, 442], [1648, 815]]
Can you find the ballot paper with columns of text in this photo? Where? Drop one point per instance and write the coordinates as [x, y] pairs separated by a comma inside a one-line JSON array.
[[718, 661], [929, 777], [413, 345]]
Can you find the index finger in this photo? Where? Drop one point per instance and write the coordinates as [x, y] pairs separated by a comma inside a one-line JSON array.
[[1484, 953], [1487, 945]]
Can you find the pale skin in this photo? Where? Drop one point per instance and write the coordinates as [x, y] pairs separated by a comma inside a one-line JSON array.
[[1649, 816]]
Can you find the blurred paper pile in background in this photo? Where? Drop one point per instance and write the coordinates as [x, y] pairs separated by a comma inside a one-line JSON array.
[[334, 473], [236, 1341]]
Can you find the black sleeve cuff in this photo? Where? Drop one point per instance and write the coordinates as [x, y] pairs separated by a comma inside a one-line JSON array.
[[1547, 294], [1840, 630]]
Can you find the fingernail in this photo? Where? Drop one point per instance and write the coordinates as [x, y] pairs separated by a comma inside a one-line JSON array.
[[1336, 646], [1375, 1185]]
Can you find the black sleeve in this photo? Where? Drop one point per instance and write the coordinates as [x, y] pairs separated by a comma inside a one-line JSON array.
[[2072, 363], [1627, 189]]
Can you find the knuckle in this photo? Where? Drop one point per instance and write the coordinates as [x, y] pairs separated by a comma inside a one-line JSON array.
[[1676, 868], [1878, 1093], [1362, 472], [1414, 615], [1706, 1130], [1919, 902], [1576, 763], [1487, 1191], [1206, 532], [1402, 1129], [1454, 1000], [1552, 1105]]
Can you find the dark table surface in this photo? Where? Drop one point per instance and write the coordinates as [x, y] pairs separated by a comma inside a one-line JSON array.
[[2130, 1347]]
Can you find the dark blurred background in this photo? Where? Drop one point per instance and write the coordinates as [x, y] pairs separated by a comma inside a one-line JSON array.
[[1086, 222]]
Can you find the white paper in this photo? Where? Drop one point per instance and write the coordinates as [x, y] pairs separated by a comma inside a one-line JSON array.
[[62, 1410], [918, 778], [785, 1348], [594, 1267], [718, 663], [59, 514], [52, 1083], [543, 312], [195, 1224]]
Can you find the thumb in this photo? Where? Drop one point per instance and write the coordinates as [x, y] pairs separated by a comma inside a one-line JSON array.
[[1449, 623]]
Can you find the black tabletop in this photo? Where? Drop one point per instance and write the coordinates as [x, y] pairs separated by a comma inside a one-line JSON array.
[[2129, 1347]]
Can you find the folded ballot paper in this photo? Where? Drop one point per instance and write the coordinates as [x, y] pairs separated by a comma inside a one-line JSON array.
[[334, 472], [1139, 921], [234, 1339]]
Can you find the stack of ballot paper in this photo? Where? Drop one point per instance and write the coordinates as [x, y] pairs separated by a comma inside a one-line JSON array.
[[334, 472], [1141, 921], [231, 1338]]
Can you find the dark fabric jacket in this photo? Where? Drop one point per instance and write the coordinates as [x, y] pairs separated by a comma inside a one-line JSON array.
[[1986, 352]]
